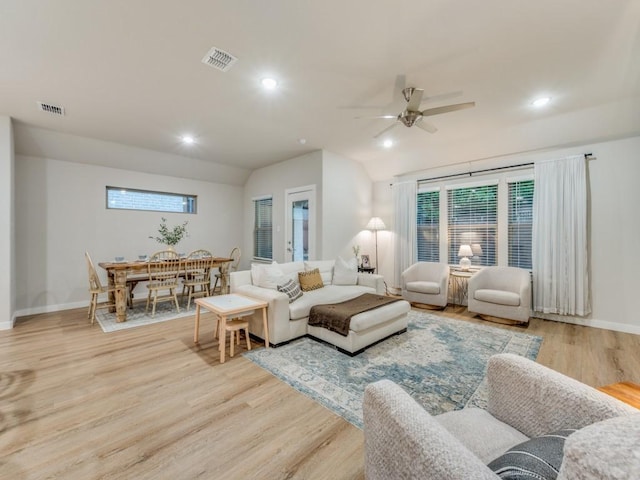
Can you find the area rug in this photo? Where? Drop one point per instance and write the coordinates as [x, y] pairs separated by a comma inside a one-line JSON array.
[[137, 317], [440, 362]]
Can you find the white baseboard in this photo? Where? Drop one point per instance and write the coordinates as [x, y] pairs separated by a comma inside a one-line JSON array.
[[591, 322], [50, 308]]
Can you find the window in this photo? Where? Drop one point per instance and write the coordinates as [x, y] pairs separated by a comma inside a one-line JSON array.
[[262, 231], [428, 223], [473, 220], [131, 199], [520, 223]]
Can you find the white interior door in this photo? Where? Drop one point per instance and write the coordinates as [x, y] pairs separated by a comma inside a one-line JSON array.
[[300, 223]]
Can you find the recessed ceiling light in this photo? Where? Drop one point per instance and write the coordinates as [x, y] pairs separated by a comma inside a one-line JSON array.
[[188, 139], [541, 102], [387, 143], [269, 83], [302, 141]]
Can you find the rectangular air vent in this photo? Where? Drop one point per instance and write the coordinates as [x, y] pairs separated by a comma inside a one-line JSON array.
[[219, 59], [52, 109]]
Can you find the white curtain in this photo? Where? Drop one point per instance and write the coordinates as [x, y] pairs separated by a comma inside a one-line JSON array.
[[404, 203], [560, 273]]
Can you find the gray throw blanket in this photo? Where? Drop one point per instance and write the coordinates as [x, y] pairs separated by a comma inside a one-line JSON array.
[[337, 316]]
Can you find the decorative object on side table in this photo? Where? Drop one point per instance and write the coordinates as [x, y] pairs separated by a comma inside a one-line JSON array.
[[365, 261], [356, 252], [172, 237], [465, 252]]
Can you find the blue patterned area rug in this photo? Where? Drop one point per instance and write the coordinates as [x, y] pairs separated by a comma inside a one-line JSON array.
[[440, 362]]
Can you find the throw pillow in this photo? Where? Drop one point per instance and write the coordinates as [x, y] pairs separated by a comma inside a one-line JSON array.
[[310, 280], [292, 289], [345, 272], [538, 458], [267, 276]]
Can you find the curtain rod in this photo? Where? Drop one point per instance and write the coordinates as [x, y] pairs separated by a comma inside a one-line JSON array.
[[470, 174]]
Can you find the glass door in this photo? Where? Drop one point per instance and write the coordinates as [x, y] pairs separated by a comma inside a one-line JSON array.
[[300, 224]]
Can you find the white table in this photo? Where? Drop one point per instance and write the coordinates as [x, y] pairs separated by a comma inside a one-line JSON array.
[[229, 306]]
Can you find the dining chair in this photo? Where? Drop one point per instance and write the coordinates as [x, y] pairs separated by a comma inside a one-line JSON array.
[[96, 289], [164, 269], [225, 270], [197, 275]]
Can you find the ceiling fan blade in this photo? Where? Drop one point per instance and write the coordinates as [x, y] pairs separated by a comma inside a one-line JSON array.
[[426, 126], [442, 96], [388, 117], [386, 129], [447, 108], [415, 100]]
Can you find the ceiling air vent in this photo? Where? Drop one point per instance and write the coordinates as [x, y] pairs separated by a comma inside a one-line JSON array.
[[52, 109], [219, 59]]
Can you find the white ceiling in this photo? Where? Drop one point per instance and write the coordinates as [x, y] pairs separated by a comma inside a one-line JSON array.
[[130, 72]]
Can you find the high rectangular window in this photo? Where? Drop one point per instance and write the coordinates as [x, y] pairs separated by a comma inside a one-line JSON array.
[[520, 223], [473, 220], [133, 199], [428, 225], [262, 229]]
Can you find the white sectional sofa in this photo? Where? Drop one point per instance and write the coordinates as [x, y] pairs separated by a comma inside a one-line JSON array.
[[287, 321]]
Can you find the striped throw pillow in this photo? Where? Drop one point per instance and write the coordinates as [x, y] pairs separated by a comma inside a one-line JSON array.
[[535, 459], [292, 289]]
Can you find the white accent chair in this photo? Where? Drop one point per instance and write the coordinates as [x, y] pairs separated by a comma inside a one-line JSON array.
[[426, 283], [525, 400], [501, 293]]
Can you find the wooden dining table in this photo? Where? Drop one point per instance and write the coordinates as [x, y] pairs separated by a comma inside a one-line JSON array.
[[119, 273]]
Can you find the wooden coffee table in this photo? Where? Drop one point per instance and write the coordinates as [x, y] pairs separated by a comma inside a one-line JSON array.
[[227, 307], [627, 392]]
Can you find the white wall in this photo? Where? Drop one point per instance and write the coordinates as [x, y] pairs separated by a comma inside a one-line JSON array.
[[61, 213], [346, 207], [614, 226], [274, 180], [7, 218]]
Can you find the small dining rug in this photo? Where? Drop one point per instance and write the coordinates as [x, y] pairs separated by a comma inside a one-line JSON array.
[[440, 362], [137, 317]]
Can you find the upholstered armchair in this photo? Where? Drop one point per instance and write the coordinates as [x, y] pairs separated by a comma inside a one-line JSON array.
[[426, 283], [501, 292], [525, 400]]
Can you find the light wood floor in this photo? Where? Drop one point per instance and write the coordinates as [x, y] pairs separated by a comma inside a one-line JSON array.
[[145, 403]]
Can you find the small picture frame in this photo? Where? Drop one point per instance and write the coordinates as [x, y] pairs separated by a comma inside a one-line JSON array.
[[365, 261]]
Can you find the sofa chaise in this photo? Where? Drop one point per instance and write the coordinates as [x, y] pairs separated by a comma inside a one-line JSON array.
[[287, 321]]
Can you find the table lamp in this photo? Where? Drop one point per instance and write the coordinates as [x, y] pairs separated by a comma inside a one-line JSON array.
[[465, 252]]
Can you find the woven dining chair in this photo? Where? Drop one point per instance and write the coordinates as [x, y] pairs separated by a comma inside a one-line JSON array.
[[164, 270], [225, 270], [197, 275], [96, 289]]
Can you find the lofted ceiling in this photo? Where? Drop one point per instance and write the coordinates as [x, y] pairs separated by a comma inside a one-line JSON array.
[[130, 72]]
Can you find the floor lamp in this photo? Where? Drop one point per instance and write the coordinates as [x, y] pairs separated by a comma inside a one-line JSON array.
[[376, 224]]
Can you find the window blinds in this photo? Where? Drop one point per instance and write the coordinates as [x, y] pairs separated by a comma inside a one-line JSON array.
[[520, 223], [428, 225], [262, 230], [472, 219]]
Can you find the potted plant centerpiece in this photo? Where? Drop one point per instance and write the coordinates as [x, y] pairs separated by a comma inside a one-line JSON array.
[[170, 237]]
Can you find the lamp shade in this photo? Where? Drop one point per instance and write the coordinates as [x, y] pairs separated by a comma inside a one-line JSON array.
[[465, 251], [376, 223], [476, 248]]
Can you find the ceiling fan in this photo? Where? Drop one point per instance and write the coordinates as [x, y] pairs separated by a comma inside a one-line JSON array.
[[412, 115]]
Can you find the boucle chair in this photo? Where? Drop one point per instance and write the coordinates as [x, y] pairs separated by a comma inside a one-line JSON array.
[[426, 283], [525, 400], [497, 293]]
